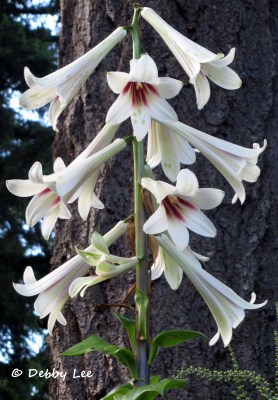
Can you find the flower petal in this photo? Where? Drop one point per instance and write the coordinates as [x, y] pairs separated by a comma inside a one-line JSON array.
[[141, 121], [160, 110], [168, 87], [173, 272], [55, 110], [36, 97], [178, 232], [187, 182], [49, 221], [35, 173], [144, 70], [198, 222], [158, 188], [64, 212], [58, 165], [120, 110], [202, 90], [158, 266], [157, 222], [29, 276], [39, 206], [153, 150], [223, 76], [24, 187], [99, 243], [117, 81], [206, 199], [221, 62]]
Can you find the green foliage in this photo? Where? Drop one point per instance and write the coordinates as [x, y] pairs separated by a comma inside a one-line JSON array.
[[119, 392], [95, 343], [147, 392], [171, 338], [130, 328]]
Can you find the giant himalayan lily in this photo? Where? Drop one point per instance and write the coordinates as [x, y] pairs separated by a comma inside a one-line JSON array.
[[180, 208], [198, 62], [66, 184], [142, 96], [53, 288], [225, 305], [235, 163], [61, 86]]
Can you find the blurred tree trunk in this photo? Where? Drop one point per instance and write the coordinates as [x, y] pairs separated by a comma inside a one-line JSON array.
[[244, 252]]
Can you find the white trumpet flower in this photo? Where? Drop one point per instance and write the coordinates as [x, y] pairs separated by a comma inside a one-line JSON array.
[[169, 149], [234, 162], [173, 273], [142, 96], [225, 305], [180, 208], [53, 288], [46, 203], [61, 86], [198, 62], [53, 191]]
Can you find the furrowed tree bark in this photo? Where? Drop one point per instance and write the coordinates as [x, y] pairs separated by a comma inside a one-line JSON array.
[[244, 252]]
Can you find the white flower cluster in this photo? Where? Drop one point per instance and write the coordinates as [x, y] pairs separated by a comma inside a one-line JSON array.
[[142, 96]]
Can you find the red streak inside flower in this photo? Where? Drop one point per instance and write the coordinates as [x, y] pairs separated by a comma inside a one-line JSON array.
[[186, 204], [139, 92], [56, 201], [45, 191], [172, 207]]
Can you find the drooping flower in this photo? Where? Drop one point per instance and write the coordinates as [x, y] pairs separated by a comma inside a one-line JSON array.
[[46, 203], [173, 273], [180, 208], [53, 288], [80, 177], [66, 184], [225, 305], [107, 265], [142, 96], [61, 86], [169, 149], [198, 62], [234, 162]]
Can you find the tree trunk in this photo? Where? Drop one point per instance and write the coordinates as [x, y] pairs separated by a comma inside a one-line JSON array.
[[244, 251]]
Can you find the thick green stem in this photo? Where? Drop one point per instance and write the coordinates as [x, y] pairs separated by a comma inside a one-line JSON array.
[[142, 273]]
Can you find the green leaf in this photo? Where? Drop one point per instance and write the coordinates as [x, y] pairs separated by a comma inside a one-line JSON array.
[[171, 338], [155, 378], [129, 325], [95, 343], [142, 304], [119, 392], [150, 392]]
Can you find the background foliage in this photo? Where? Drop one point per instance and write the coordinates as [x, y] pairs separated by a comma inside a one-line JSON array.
[[23, 42]]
